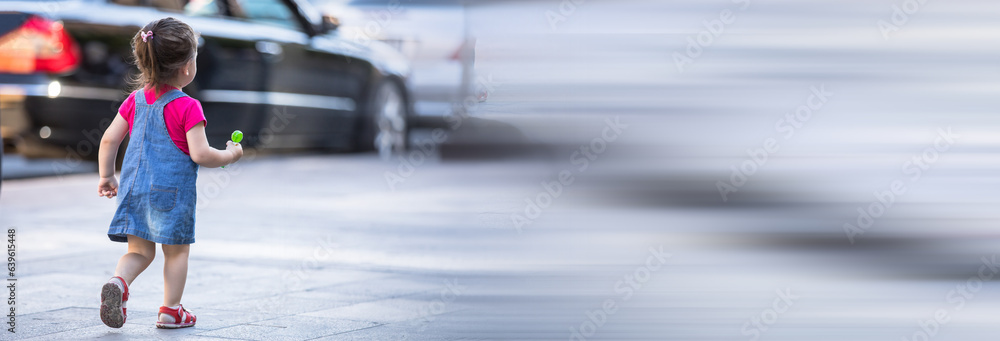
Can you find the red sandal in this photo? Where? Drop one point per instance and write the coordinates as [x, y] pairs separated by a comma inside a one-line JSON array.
[[182, 318], [113, 303]]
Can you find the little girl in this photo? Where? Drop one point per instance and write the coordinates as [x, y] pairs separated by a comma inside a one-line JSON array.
[[157, 195]]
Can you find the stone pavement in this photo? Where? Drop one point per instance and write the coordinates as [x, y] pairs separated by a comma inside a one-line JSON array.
[[320, 247], [635, 246], [308, 247], [279, 255]]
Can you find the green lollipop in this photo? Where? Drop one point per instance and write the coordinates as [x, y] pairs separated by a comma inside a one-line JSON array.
[[237, 136]]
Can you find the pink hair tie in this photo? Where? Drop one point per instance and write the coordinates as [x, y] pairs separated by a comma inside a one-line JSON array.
[[145, 35]]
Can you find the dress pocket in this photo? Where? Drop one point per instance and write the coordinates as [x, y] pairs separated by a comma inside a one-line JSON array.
[[162, 198]]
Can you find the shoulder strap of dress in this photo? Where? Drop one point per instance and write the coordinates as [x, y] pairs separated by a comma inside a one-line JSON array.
[[169, 96], [140, 97]]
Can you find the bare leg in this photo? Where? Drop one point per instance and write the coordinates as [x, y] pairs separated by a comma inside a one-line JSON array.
[[175, 266], [140, 254]]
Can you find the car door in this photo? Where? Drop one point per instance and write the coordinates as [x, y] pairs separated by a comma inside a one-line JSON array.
[[313, 95]]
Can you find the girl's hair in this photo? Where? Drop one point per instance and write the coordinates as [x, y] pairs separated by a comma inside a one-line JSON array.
[[161, 49]]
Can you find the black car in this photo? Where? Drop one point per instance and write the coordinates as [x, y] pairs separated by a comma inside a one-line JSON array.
[[276, 69]]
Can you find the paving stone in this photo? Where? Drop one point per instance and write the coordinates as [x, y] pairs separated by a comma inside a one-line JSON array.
[[290, 328], [382, 311], [396, 286]]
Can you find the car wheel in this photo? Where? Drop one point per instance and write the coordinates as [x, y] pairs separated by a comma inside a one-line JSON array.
[[386, 125]]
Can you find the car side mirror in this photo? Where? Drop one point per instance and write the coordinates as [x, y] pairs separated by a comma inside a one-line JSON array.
[[330, 23]]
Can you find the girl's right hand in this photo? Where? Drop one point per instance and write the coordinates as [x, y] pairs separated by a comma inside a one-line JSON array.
[[236, 149], [107, 187]]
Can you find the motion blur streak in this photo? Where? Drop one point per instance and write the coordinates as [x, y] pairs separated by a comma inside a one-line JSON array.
[[728, 92]]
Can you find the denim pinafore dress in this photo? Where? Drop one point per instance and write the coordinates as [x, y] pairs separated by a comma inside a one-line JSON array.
[[156, 195]]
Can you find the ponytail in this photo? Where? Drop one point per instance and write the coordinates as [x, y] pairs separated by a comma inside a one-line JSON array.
[[151, 65]]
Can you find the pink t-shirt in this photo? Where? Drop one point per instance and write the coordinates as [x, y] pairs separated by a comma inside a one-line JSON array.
[[180, 115]]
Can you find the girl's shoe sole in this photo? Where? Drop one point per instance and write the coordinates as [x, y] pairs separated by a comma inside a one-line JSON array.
[[173, 326], [111, 306]]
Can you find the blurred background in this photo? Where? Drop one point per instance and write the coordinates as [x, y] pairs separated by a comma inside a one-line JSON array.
[[802, 170]]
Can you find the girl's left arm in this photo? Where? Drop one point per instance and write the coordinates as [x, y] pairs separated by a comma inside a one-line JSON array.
[[108, 185]]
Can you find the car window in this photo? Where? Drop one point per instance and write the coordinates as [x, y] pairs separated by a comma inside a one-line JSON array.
[[270, 12], [202, 8], [166, 5]]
